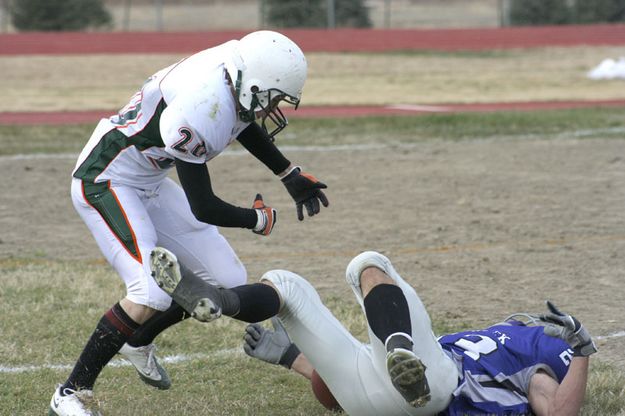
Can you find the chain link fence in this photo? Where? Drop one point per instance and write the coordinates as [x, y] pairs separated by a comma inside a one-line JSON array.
[[198, 15], [189, 15], [172, 15]]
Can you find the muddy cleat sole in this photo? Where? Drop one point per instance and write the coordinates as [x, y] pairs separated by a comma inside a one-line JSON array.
[[165, 269], [193, 294], [407, 374]]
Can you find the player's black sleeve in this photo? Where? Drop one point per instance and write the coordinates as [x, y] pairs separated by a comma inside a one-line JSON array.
[[258, 143], [205, 205]]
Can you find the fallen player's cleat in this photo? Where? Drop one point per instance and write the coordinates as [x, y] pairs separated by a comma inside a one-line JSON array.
[[145, 362], [407, 374], [199, 298]]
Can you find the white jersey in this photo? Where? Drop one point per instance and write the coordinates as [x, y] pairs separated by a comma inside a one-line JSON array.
[[185, 111]]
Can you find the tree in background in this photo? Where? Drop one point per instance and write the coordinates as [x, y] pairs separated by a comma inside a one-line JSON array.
[[540, 12], [559, 12], [611, 11], [352, 13], [59, 15], [296, 13], [314, 13]]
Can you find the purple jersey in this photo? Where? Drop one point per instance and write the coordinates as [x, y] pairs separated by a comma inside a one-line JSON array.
[[496, 364]]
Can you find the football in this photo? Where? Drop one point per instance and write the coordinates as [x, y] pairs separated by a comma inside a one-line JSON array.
[[323, 393]]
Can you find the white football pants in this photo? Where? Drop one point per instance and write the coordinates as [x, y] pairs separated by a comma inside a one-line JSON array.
[[356, 372], [160, 217]]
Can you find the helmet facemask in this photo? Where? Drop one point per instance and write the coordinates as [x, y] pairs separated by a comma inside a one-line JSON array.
[[270, 110], [273, 113]]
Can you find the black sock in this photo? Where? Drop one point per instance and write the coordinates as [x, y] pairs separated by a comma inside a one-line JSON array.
[[387, 311], [159, 322], [114, 328], [257, 302]]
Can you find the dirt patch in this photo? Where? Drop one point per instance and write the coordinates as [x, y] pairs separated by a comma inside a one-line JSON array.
[[480, 228]]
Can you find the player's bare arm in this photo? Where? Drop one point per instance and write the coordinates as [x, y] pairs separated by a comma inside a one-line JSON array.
[[548, 398]]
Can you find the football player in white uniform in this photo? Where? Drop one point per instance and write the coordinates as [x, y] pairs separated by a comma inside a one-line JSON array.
[[183, 116]]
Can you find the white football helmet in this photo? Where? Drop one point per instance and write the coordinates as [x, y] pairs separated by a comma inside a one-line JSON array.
[[268, 68]]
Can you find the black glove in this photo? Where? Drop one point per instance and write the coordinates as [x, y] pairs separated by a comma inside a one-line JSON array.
[[274, 347], [305, 190], [566, 327], [267, 217]]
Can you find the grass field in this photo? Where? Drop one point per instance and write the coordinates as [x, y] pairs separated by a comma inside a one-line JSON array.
[[51, 301], [413, 77], [485, 214]]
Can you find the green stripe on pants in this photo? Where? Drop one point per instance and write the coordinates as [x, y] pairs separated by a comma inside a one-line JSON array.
[[100, 196]]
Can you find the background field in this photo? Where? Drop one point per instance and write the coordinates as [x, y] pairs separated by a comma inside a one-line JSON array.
[[485, 214], [411, 77]]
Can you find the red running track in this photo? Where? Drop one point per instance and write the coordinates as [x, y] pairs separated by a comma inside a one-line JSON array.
[[316, 40], [340, 40], [80, 117]]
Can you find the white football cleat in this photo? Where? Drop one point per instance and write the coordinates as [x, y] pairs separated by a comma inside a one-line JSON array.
[[74, 403], [145, 362]]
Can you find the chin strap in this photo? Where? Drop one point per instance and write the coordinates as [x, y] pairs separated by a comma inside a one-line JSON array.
[[525, 318], [245, 115]]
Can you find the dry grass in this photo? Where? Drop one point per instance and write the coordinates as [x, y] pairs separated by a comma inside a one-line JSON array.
[[220, 380], [106, 81]]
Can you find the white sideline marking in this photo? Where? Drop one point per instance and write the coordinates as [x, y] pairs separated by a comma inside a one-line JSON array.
[[426, 108], [36, 156], [180, 358], [332, 148], [169, 359], [609, 336]]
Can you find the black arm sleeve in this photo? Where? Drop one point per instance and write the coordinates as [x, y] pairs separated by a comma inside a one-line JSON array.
[[258, 143], [205, 205]]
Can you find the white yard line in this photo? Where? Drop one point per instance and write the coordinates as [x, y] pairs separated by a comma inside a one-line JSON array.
[[285, 147], [169, 359], [332, 148], [178, 359], [610, 336]]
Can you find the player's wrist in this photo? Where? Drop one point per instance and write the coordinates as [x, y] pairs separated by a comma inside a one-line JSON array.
[[585, 350], [261, 220], [292, 170], [289, 356]]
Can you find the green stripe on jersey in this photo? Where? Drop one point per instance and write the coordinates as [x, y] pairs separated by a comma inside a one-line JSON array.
[[113, 142]]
